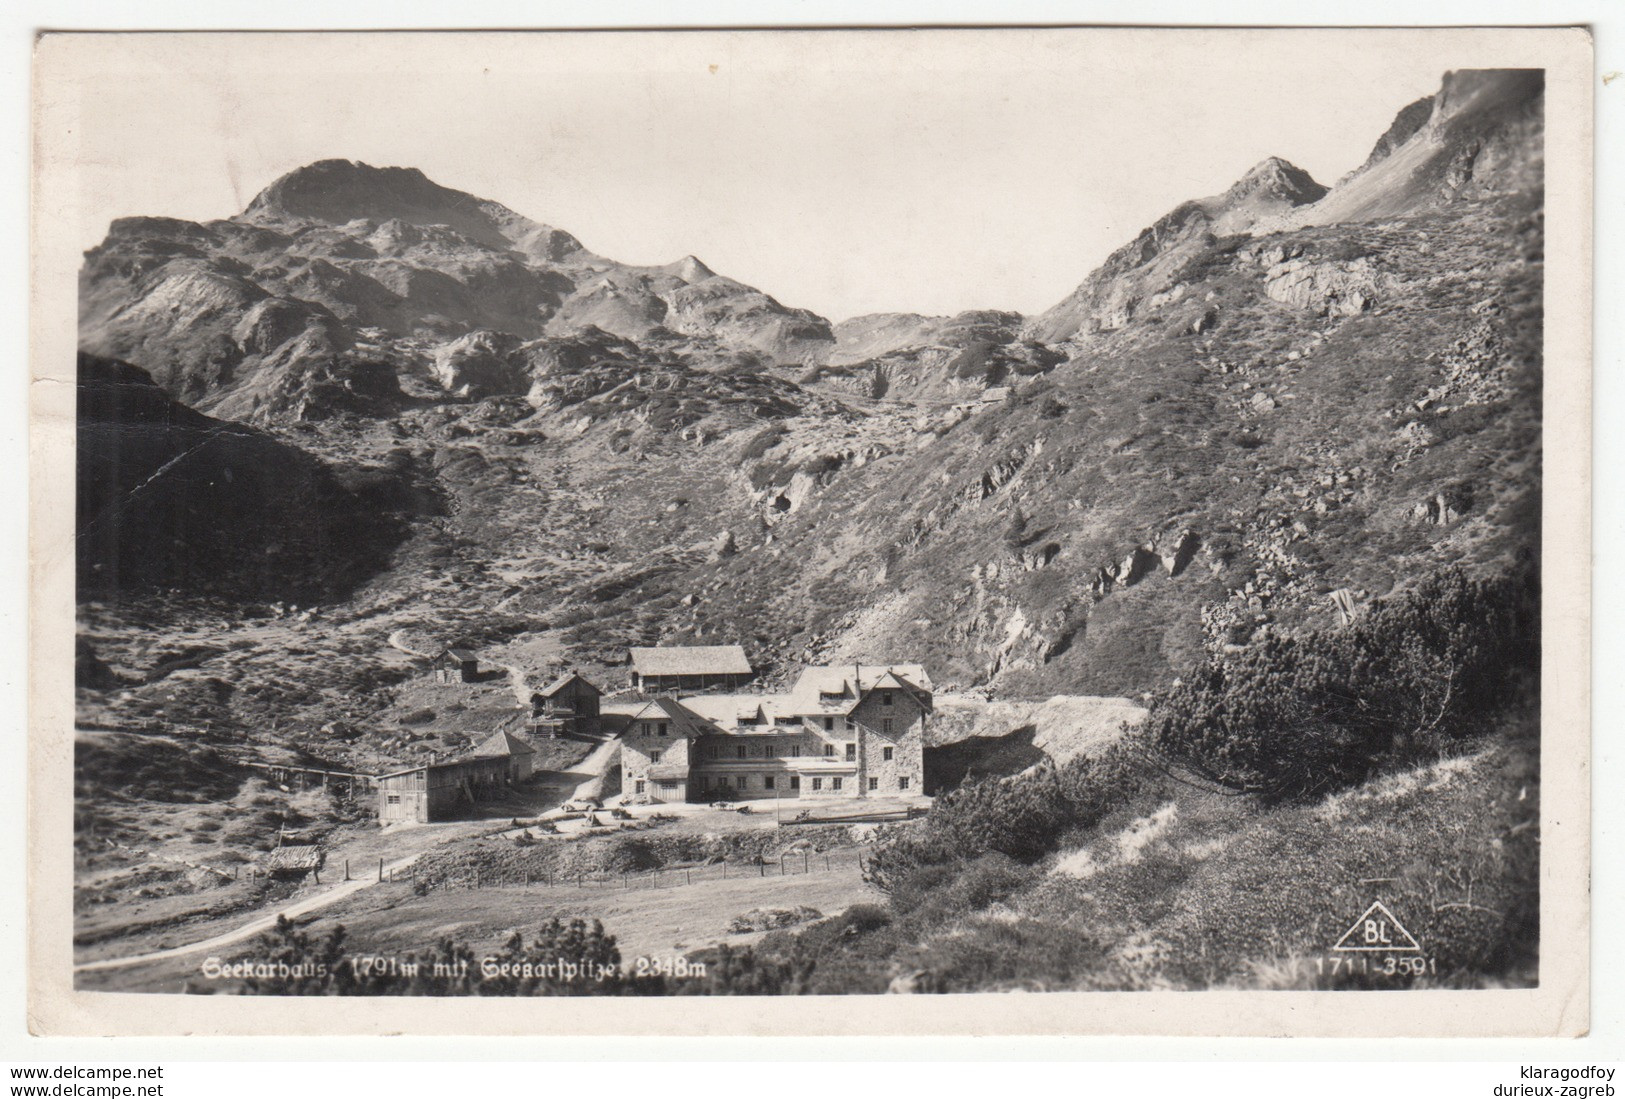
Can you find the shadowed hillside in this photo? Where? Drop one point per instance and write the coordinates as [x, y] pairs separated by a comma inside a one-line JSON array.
[[169, 498]]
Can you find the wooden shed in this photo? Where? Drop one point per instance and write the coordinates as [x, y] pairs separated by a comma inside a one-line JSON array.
[[455, 664], [569, 706]]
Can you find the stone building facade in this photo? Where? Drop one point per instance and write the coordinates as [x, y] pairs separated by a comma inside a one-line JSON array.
[[840, 732]]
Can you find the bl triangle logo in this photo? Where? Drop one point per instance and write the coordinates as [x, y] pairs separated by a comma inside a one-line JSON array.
[[1377, 930]]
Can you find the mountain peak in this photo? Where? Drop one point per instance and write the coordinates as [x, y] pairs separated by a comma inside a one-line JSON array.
[[329, 188], [1280, 179], [337, 192], [690, 269]]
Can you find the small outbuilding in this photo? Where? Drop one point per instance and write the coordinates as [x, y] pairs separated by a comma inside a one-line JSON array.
[[454, 665], [293, 861], [569, 706]]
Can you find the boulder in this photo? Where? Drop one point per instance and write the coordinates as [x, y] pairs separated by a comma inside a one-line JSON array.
[[724, 546]]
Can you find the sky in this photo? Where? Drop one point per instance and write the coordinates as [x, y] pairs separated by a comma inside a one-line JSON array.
[[847, 173]]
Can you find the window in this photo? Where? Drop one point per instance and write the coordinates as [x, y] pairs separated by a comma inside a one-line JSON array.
[[645, 728], [743, 781], [885, 698], [850, 725], [394, 799], [662, 728], [654, 756], [795, 749], [874, 784], [818, 784], [835, 783], [851, 752], [638, 786], [668, 787], [795, 782], [902, 783], [767, 782], [829, 724], [741, 751], [885, 753], [829, 750], [885, 726]]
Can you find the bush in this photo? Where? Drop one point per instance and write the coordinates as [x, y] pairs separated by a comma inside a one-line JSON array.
[[1295, 717], [1022, 819], [991, 955]]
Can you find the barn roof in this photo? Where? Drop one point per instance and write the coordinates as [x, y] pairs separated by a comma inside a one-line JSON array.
[[691, 660], [499, 744], [564, 681], [468, 759]]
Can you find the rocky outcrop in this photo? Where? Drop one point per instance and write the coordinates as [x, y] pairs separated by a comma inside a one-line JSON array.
[[1329, 289], [1150, 265], [480, 364]]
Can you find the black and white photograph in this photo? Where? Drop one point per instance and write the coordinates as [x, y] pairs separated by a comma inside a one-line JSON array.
[[770, 514]]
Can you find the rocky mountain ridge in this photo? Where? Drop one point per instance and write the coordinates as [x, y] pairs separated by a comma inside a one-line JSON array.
[[340, 263], [1230, 429]]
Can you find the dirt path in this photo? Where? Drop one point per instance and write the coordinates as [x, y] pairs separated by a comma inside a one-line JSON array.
[[395, 642], [597, 765], [252, 927], [517, 680]]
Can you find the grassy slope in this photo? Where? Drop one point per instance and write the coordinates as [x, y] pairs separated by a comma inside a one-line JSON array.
[[1198, 891]]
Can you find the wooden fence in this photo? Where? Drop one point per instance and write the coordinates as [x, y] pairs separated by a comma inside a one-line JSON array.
[[795, 864]]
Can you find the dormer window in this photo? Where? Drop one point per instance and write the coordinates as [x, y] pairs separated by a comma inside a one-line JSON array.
[[885, 698], [829, 725]]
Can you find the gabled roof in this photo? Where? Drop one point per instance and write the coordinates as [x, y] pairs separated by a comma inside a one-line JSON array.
[[728, 711], [460, 654], [499, 744], [684, 722], [895, 681], [836, 688], [564, 681], [691, 660]]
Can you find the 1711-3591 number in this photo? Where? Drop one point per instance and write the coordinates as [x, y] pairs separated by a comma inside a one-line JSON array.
[[1389, 965]]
